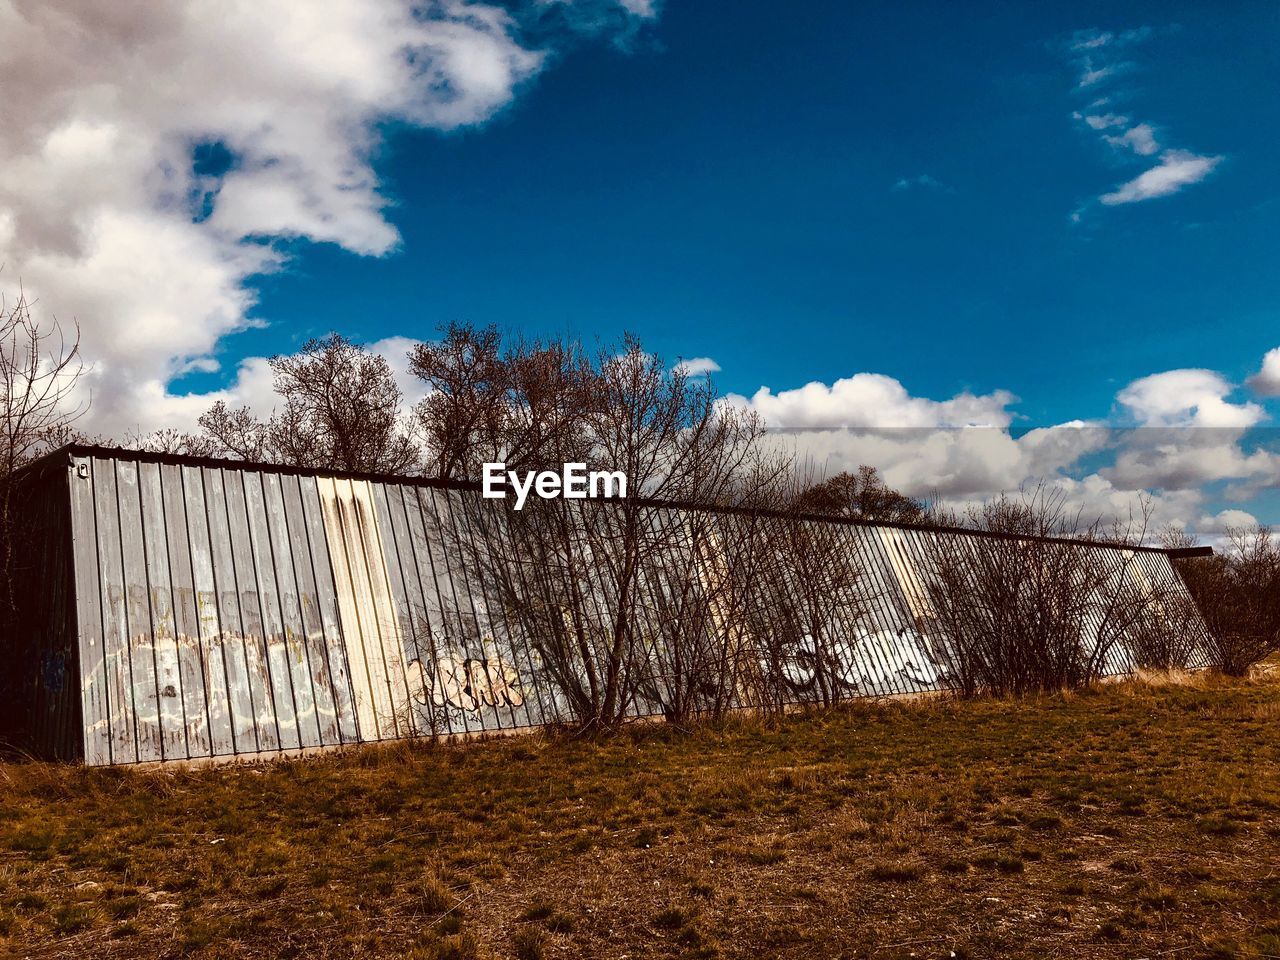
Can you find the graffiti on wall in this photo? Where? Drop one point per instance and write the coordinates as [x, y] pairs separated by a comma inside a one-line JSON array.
[[471, 683]]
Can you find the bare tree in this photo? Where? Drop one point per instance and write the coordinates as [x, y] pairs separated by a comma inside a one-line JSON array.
[[340, 408], [1016, 613], [174, 441], [1237, 590], [39, 368], [238, 433], [616, 597], [863, 495]]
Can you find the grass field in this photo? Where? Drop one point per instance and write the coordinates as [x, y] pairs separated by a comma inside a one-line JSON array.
[[1141, 820]]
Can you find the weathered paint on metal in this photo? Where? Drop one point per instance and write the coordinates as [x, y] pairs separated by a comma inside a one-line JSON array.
[[202, 609]]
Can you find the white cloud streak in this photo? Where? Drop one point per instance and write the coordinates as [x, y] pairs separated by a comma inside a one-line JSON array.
[[1176, 170], [697, 366], [1093, 52]]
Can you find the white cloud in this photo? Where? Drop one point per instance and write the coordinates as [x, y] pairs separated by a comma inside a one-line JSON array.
[[103, 214], [1102, 121], [396, 352], [698, 366], [1092, 52], [1091, 75], [1196, 398], [1181, 432], [1140, 138], [1166, 454], [874, 400], [1226, 520], [1177, 169], [1185, 459], [1266, 382]]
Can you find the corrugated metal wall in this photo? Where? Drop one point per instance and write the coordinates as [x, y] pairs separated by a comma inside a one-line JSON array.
[[39, 658], [226, 610]]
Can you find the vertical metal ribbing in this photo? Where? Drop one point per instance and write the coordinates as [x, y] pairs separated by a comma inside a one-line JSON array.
[[420, 541], [314, 620], [201, 650], [337, 646], [127, 639], [261, 742], [99, 577], [235, 659], [456, 643], [293, 629], [172, 567], [536, 680], [480, 624], [316, 691], [491, 526], [881, 610], [387, 629], [402, 540], [166, 584]]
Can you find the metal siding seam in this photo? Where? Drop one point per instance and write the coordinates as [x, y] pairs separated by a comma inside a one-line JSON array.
[[485, 652], [279, 680], [429, 671], [307, 600], [257, 659], [93, 685], [297, 650], [124, 747], [192, 608], [203, 573], [352, 624], [533, 691], [138, 616], [186, 625], [263, 740], [435, 580], [397, 599], [468, 627], [415, 676], [235, 656], [531, 694], [458, 642], [336, 643], [373, 606], [173, 719]]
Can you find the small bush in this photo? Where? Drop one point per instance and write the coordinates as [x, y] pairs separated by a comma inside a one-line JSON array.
[[529, 944]]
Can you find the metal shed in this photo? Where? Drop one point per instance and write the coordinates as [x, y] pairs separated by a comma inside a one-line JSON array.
[[181, 608]]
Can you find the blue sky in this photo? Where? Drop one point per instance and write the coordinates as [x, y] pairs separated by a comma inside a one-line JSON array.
[[918, 215], [725, 188]]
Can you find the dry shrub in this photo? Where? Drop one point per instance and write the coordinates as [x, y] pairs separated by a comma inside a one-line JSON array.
[[1238, 593]]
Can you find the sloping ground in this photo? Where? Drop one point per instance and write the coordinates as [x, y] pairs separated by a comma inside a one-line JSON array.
[[1137, 821]]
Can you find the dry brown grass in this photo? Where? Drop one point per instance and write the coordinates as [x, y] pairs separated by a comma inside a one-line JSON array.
[[1142, 819]]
